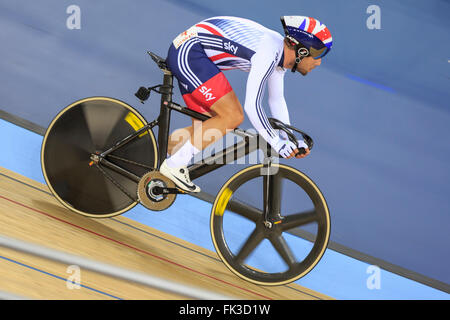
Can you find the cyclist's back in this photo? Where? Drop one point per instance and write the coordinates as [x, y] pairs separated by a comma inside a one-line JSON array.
[[231, 42]]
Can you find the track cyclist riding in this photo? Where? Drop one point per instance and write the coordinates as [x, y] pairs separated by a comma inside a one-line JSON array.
[[100, 157], [197, 58]]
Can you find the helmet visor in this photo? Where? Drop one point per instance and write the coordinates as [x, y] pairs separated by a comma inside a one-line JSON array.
[[318, 53]]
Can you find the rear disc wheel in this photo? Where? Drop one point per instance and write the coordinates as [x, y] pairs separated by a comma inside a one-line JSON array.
[[91, 126]]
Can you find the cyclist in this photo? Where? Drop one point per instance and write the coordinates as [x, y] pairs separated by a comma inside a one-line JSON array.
[[197, 58]]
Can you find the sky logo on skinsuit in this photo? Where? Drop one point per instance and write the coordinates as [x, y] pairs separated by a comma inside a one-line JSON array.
[[207, 93], [230, 47]]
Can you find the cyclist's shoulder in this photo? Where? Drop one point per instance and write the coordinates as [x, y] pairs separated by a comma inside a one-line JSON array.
[[271, 45], [244, 27], [273, 37], [235, 19], [236, 24]]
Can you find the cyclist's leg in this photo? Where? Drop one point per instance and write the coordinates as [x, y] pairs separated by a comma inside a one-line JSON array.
[[175, 61], [228, 116], [204, 89], [180, 136]]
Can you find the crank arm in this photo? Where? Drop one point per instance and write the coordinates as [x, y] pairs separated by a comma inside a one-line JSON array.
[[160, 190]]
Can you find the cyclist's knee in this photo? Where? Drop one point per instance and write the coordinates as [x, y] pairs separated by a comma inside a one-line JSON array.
[[238, 118], [230, 110], [233, 117]]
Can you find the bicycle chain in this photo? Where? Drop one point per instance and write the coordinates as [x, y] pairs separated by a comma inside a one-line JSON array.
[[131, 162], [118, 185]]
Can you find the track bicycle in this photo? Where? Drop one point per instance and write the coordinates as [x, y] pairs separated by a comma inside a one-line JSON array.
[[100, 158]]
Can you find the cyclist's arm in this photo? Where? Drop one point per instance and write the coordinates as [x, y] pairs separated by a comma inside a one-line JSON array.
[[263, 65], [277, 103]]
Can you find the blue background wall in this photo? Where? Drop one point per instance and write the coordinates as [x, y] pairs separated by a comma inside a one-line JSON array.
[[377, 107]]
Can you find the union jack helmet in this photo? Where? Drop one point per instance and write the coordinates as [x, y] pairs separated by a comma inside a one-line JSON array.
[[308, 33]]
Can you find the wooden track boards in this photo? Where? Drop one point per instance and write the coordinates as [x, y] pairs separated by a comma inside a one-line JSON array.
[[30, 213]]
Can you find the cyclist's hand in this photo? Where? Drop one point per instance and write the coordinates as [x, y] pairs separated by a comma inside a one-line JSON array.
[[302, 144], [288, 149], [285, 148], [300, 156]]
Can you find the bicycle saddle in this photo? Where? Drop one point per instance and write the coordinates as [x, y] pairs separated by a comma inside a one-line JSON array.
[[159, 61]]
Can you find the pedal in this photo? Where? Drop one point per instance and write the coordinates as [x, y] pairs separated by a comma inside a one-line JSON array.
[[156, 192]]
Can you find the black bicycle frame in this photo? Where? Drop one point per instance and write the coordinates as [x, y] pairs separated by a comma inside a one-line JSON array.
[[249, 143]]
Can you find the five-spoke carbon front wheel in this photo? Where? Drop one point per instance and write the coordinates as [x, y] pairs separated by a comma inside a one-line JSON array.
[[257, 217]]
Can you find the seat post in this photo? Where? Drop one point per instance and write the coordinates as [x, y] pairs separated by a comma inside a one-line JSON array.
[[164, 115]]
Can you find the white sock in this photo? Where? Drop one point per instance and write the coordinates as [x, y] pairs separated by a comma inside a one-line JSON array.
[[183, 156]]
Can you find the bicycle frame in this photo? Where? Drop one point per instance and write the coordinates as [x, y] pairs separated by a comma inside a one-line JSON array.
[[198, 169]]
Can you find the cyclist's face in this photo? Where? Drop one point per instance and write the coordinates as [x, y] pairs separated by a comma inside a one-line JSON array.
[[307, 64]]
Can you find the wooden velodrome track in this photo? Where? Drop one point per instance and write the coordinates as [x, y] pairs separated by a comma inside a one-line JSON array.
[[29, 212]]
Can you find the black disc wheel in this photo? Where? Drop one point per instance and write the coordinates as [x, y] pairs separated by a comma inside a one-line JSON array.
[[270, 225], [86, 128]]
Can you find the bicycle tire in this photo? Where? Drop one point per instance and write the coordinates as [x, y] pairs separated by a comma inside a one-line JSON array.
[[250, 273], [84, 127]]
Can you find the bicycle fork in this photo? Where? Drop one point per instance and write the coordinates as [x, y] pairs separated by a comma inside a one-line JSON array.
[[272, 192]]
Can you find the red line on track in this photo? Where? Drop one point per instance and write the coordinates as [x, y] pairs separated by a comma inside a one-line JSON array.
[[136, 249]]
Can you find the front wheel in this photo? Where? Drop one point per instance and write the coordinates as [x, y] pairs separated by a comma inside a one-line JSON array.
[[254, 217]]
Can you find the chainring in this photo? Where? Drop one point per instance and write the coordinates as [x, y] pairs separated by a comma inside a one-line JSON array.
[[150, 200]]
